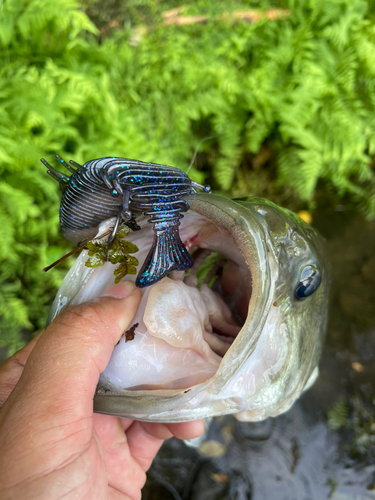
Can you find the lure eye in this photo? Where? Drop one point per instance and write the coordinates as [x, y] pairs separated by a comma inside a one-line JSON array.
[[310, 281]]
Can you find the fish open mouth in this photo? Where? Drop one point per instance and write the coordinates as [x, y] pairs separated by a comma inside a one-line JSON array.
[[186, 322], [195, 332]]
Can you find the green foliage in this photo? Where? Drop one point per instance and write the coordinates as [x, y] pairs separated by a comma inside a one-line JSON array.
[[34, 117], [117, 252], [356, 418], [338, 414], [303, 85], [97, 251], [208, 265]]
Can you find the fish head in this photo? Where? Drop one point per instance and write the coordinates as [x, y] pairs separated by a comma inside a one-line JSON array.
[[245, 340]]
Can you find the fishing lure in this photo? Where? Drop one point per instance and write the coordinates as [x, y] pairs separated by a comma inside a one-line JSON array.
[[119, 187]]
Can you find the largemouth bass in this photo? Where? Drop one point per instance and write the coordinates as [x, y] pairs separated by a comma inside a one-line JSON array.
[[245, 338]]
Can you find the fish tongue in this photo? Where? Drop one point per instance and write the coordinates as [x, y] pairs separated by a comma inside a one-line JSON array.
[[176, 313]]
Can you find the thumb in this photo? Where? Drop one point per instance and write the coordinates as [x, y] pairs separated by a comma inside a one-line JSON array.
[[62, 371]]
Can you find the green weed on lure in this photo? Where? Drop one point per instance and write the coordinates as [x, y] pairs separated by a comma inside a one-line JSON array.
[[117, 252], [120, 187]]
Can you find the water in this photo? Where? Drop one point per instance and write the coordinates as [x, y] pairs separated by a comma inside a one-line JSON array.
[[324, 447]]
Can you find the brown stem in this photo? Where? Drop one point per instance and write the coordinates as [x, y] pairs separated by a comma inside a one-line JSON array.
[[81, 247]]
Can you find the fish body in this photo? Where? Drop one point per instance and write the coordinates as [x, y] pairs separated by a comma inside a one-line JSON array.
[[120, 187], [249, 345]]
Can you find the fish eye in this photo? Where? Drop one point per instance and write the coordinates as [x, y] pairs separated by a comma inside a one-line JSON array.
[[309, 282]]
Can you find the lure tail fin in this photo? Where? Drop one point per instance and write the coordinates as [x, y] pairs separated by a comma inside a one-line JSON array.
[[167, 254]]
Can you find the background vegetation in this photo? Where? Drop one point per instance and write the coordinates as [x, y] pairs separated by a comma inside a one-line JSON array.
[[283, 98]]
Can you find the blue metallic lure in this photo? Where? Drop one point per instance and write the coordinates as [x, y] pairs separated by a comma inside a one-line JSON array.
[[121, 188]]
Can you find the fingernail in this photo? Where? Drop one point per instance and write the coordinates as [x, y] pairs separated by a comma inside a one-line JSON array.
[[120, 291]]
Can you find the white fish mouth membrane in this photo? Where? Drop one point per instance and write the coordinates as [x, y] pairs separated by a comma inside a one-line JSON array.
[[184, 325]]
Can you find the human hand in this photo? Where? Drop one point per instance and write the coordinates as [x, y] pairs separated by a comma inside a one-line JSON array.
[[52, 444]]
